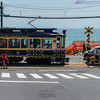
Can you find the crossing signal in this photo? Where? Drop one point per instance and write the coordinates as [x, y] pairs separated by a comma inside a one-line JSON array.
[[88, 40], [88, 35], [89, 30], [89, 47]]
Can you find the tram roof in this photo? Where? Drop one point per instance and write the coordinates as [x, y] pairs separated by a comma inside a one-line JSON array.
[[7, 29], [30, 31]]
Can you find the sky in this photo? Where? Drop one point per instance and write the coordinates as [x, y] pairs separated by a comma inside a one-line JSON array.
[[51, 8]]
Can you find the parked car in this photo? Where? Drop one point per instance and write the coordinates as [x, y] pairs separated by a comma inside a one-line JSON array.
[[93, 51]]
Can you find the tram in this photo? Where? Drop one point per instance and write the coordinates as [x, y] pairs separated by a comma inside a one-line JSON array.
[[42, 46]]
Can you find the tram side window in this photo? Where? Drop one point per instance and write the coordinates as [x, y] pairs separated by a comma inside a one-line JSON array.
[[24, 43], [63, 41], [47, 43], [3, 43], [34, 43], [14, 43], [58, 42]]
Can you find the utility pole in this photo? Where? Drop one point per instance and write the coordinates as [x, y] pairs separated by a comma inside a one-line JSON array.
[[1, 14]]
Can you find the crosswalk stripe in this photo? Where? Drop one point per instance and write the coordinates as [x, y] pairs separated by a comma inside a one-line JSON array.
[[65, 76], [6, 75], [79, 76], [51, 76], [90, 75], [69, 76], [36, 76], [20, 75]]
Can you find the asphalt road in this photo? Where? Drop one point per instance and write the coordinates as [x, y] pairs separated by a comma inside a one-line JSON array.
[[50, 84]]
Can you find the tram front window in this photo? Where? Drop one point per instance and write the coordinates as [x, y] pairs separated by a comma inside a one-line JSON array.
[[58, 42], [34, 43], [14, 43], [3, 43], [47, 43], [63, 42], [24, 43]]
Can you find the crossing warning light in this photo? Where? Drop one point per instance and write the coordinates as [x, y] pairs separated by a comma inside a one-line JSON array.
[[89, 47], [88, 35], [88, 40]]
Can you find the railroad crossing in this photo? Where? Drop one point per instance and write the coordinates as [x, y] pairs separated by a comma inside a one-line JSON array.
[[88, 40]]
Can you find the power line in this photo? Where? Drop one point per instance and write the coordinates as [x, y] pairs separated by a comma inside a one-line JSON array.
[[43, 4], [87, 2], [41, 8], [87, 17], [79, 1], [55, 11], [36, 8]]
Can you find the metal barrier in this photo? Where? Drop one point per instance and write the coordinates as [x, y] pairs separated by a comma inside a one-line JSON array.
[[95, 59]]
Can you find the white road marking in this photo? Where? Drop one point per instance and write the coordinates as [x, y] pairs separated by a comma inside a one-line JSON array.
[[51, 76], [7, 75], [90, 75], [65, 76], [21, 75], [79, 76], [36, 76], [55, 70], [7, 81]]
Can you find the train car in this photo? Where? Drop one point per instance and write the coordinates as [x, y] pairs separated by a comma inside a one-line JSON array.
[[42, 46]]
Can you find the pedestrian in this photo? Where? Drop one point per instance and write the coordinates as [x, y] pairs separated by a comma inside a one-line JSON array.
[[4, 57], [84, 48]]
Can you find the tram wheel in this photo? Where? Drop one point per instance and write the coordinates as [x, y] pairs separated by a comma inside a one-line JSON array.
[[47, 61], [92, 62], [29, 61]]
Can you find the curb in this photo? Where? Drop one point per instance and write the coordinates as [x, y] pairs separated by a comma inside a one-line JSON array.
[[48, 66], [77, 65]]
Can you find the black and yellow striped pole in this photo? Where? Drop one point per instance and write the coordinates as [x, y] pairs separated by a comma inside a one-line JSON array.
[[88, 40]]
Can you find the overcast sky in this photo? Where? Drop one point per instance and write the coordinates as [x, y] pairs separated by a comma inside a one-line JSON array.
[[52, 8]]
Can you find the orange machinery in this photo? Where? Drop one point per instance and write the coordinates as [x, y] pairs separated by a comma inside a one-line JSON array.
[[78, 46]]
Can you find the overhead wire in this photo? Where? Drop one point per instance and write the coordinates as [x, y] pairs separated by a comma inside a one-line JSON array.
[[41, 8], [36, 8], [87, 2]]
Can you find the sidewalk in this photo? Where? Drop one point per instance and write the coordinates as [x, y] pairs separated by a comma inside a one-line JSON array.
[[39, 66], [73, 63]]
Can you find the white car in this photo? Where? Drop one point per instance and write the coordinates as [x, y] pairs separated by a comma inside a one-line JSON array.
[[93, 51]]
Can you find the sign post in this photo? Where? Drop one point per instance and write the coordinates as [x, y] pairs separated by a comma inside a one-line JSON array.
[[88, 40]]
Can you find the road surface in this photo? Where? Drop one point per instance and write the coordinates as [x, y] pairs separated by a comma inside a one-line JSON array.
[[50, 84]]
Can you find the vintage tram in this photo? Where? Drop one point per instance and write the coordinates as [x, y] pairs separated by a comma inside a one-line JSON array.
[[42, 46]]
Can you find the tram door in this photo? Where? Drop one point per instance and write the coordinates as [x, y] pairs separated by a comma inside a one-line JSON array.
[[60, 44], [35, 43]]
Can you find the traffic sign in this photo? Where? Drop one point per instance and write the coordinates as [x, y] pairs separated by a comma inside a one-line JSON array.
[[89, 30]]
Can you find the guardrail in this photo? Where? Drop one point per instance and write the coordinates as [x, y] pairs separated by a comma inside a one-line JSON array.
[[95, 59]]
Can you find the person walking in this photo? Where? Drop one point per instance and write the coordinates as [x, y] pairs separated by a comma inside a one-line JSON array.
[[4, 57]]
